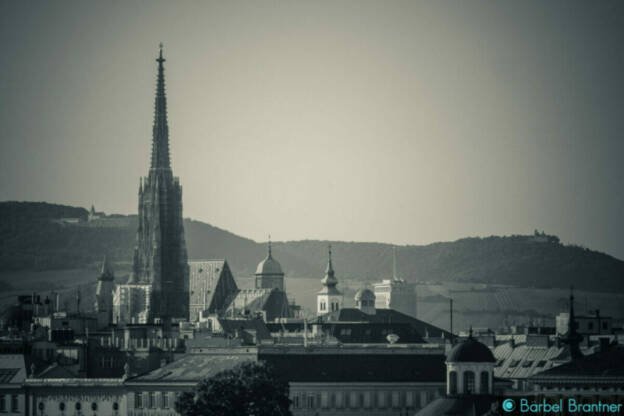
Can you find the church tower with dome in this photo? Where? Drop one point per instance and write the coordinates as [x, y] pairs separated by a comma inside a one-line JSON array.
[[469, 368], [269, 274]]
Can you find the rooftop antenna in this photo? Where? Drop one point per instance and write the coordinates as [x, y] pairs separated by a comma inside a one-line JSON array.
[[452, 335], [394, 264]]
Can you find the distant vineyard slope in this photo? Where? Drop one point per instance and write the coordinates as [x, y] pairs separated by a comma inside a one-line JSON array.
[[41, 236]]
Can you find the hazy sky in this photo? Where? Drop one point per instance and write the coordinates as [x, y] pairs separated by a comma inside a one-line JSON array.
[[392, 121]]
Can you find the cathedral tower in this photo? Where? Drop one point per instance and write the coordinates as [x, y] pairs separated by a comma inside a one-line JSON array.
[[160, 258]]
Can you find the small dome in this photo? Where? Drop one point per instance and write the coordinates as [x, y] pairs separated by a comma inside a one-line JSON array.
[[364, 294], [470, 351], [269, 266]]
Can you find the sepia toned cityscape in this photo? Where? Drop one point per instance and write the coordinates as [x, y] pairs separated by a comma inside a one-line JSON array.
[[136, 309]]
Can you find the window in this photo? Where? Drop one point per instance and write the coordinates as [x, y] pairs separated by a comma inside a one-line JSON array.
[[165, 400], [115, 406], [152, 399], [3, 406], [296, 403], [485, 382], [396, 399], [41, 407], [94, 406], [324, 400], [605, 325], [138, 400], [453, 382], [469, 382], [62, 406], [367, 402], [78, 406], [353, 400], [381, 399], [310, 402], [339, 400], [14, 403]]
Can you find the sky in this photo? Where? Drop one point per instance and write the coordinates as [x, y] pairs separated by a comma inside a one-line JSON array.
[[404, 122]]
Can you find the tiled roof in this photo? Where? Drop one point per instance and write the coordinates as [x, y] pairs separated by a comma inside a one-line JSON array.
[[272, 301], [193, 368], [523, 361], [12, 369], [608, 363], [212, 278]]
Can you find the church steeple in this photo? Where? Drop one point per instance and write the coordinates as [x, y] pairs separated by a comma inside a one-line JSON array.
[[330, 277], [572, 338], [160, 135]]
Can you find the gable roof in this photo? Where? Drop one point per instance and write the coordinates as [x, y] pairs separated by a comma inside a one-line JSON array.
[[213, 280]]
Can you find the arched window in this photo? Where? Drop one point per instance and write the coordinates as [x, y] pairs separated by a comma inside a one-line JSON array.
[[485, 382], [469, 382], [453, 382], [62, 406]]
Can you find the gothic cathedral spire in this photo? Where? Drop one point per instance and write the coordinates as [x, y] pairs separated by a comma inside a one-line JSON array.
[[160, 135], [160, 258]]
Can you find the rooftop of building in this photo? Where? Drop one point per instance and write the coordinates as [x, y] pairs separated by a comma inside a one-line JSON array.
[[462, 405], [192, 368], [385, 316], [12, 369], [607, 363]]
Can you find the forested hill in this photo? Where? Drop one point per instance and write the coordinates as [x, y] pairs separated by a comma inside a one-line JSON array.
[[40, 236]]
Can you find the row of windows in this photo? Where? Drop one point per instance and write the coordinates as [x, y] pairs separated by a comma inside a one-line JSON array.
[[152, 400], [78, 406], [323, 306], [5, 400], [361, 399]]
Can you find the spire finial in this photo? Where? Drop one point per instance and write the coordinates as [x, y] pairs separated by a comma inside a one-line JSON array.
[[160, 53], [270, 251], [329, 251], [160, 133], [470, 332]]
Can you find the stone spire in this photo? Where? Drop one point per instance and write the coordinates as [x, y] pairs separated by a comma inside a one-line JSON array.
[[330, 279], [160, 138], [572, 338]]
